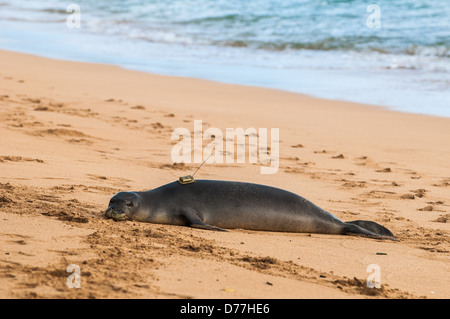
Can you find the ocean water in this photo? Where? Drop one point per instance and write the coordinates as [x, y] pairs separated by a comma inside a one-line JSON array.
[[392, 53]]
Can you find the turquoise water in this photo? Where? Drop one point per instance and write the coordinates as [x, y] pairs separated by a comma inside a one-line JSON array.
[[330, 49]]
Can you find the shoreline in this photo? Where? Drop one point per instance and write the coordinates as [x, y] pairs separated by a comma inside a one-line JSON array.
[[315, 83], [387, 66], [388, 108], [74, 134]]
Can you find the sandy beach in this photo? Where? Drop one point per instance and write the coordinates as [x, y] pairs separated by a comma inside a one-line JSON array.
[[74, 134]]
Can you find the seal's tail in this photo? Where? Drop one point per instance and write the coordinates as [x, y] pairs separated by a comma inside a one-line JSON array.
[[368, 228]]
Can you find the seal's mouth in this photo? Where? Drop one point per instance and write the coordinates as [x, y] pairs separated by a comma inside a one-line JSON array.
[[117, 216]]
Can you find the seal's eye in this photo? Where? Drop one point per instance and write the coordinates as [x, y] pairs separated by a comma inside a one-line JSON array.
[[130, 204]]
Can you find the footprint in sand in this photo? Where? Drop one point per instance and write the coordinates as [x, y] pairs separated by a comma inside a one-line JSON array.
[[92, 189], [51, 107], [113, 100], [407, 196], [428, 208], [289, 158], [114, 180], [367, 161], [444, 183], [415, 176], [380, 194], [442, 219], [384, 170], [350, 184], [419, 192], [80, 141], [19, 242], [5, 201], [97, 177], [32, 100], [293, 170], [175, 166], [19, 159], [157, 125], [60, 132], [42, 108]]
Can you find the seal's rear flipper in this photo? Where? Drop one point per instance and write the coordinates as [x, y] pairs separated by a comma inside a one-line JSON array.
[[368, 228], [373, 227]]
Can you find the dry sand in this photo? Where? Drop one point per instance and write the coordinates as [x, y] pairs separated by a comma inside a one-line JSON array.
[[74, 134]]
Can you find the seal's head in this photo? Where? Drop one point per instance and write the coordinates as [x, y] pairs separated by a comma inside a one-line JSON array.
[[122, 206]]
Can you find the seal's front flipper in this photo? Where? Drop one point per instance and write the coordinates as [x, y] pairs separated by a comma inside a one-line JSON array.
[[193, 220], [207, 227]]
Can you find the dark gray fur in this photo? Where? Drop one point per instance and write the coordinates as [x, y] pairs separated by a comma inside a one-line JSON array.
[[215, 205]]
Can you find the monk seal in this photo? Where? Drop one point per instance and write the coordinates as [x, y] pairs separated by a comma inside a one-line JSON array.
[[215, 205]]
